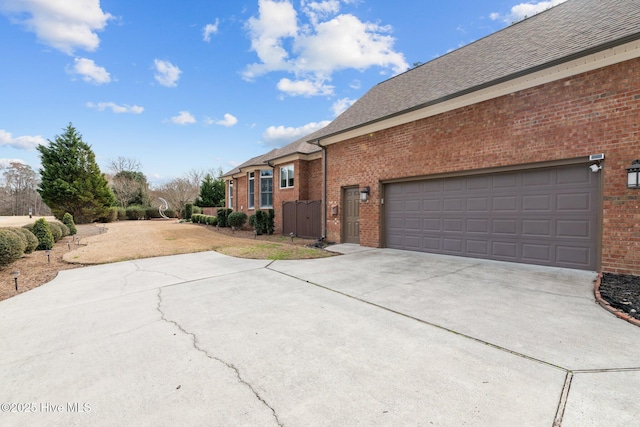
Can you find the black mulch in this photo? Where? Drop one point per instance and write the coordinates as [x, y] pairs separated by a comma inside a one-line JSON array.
[[622, 291]]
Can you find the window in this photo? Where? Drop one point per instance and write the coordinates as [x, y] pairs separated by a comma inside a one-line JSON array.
[[266, 189], [231, 194], [286, 176], [251, 192]]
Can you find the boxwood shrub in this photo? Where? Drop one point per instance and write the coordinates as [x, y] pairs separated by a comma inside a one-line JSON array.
[[237, 219], [11, 247], [42, 231], [67, 219]]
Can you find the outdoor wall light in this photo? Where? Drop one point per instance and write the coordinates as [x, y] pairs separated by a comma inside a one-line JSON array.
[[15, 275], [633, 175], [364, 193]]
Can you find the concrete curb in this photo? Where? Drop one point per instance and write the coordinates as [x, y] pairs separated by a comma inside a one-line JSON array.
[[604, 304]]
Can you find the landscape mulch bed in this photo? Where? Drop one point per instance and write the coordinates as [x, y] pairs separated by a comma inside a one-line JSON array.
[[622, 292]]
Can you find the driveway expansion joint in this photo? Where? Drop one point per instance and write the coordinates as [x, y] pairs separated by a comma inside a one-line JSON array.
[[229, 365]]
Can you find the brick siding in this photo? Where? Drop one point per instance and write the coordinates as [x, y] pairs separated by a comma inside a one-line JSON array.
[[594, 112]]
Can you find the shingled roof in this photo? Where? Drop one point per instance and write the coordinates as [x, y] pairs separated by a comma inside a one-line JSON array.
[[565, 32]]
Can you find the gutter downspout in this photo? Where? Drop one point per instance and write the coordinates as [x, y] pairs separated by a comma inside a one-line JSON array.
[[324, 186]]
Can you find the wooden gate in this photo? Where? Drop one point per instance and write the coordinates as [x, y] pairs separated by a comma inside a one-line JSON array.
[[302, 218]]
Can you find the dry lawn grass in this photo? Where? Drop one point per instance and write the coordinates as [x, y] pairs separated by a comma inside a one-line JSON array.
[[128, 240]]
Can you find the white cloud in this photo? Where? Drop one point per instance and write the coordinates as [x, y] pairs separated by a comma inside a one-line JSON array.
[[525, 10], [25, 142], [115, 108], [183, 118], [304, 87], [90, 72], [341, 105], [228, 121], [6, 163], [65, 25], [167, 74], [281, 135], [314, 49], [210, 29]]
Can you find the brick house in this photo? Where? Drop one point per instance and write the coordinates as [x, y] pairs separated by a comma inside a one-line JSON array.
[[288, 174], [514, 147]]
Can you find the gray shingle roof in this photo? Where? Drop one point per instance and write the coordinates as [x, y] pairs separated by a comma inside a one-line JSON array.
[[299, 146], [567, 31]]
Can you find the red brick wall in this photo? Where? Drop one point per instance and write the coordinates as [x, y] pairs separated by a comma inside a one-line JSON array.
[[595, 112], [307, 186]]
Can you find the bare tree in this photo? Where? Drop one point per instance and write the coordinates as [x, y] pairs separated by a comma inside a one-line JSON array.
[[19, 191], [124, 164], [178, 192], [128, 183]]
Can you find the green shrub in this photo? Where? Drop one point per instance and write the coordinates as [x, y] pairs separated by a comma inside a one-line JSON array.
[[42, 231], [197, 209], [32, 241], [11, 247], [237, 219], [212, 220], [56, 231], [188, 211], [67, 219], [152, 213], [136, 212], [109, 215], [270, 221], [171, 213], [23, 239], [63, 227], [222, 215], [121, 213]]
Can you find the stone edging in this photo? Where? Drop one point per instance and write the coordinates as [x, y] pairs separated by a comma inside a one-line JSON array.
[[621, 314]]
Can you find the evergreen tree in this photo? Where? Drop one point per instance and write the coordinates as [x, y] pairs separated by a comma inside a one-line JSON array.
[[71, 180], [211, 192]]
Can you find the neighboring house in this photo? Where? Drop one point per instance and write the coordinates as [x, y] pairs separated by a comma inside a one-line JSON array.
[[487, 151]]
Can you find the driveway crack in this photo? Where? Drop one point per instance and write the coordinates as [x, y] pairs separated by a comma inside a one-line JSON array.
[[229, 365]]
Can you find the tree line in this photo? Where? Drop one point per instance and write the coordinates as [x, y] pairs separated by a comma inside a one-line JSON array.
[[71, 181]]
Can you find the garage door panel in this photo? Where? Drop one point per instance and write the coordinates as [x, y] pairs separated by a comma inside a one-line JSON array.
[[432, 224], [477, 226], [574, 229], [537, 203], [431, 205], [505, 226], [452, 225], [536, 228], [452, 245], [573, 202], [504, 250], [545, 216], [477, 247], [453, 205], [505, 203], [477, 204], [536, 253], [571, 255]]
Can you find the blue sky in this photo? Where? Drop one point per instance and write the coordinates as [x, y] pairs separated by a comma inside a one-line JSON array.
[[207, 84]]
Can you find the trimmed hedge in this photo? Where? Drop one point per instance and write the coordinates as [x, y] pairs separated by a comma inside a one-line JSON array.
[[63, 227], [222, 215], [11, 247], [263, 221], [56, 231], [237, 219], [67, 219], [31, 239], [110, 215], [136, 212], [42, 231]]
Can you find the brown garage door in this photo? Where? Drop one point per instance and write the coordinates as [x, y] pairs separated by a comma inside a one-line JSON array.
[[541, 216]]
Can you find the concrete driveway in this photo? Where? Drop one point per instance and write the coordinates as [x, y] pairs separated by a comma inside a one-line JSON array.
[[372, 337]]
